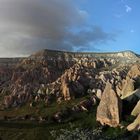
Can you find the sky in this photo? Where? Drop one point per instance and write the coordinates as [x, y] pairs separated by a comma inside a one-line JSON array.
[[27, 26]]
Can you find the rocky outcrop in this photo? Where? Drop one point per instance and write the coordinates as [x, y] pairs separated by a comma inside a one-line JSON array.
[[127, 88], [134, 71], [49, 76], [64, 76], [66, 91], [109, 109], [135, 125], [136, 110]]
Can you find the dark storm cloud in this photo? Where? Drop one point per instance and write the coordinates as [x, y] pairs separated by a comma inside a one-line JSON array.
[[30, 25], [95, 35]]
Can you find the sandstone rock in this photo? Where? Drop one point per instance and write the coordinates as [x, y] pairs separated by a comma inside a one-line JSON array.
[[135, 125], [69, 74], [65, 88], [66, 91], [136, 110], [94, 100], [99, 93], [128, 88], [119, 88], [134, 71], [109, 109], [133, 96]]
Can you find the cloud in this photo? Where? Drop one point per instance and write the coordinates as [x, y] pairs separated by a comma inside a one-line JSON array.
[[95, 35], [30, 25], [128, 8]]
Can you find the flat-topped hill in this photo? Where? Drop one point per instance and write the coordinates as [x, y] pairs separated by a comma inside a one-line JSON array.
[[10, 61], [64, 54], [50, 55]]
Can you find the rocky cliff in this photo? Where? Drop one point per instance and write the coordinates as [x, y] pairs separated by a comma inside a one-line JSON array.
[[54, 76]]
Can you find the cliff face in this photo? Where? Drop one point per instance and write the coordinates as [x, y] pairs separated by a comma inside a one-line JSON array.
[[9, 62], [53, 75], [111, 80], [53, 53]]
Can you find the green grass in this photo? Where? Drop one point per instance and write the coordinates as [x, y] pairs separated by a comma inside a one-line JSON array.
[[113, 132], [35, 131], [40, 109], [26, 130], [31, 130]]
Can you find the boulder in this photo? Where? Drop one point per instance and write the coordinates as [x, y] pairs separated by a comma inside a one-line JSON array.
[[109, 109]]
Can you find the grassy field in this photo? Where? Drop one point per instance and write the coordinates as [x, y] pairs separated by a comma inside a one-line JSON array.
[[27, 130], [33, 130]]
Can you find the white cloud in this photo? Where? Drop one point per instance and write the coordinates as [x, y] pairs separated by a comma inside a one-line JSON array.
[[128, 8]]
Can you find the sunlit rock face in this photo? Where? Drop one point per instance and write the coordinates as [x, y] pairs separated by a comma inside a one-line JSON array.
[[109, 109], [134, 71], [55, 76], [136, 110]]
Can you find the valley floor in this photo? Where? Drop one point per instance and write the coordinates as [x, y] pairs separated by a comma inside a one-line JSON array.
[[73, 126]]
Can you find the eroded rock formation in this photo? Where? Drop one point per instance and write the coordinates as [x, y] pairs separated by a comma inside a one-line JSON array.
[[109, 109], [54, 76]]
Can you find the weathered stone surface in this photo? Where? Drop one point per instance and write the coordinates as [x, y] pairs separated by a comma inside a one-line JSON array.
[[136, 110], [109, 109], [133, 96], [135, 125], [99, 93], [66, 91], [134, 71], [128, 88], [69, 74]]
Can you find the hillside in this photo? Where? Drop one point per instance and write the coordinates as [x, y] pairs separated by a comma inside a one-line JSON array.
[[55, 87]]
